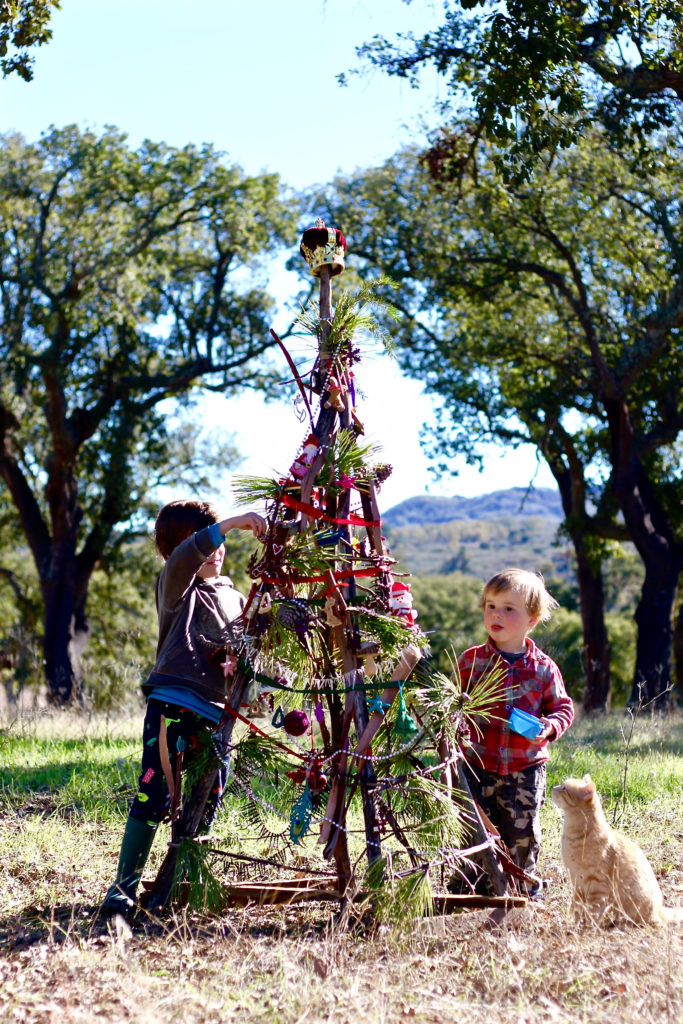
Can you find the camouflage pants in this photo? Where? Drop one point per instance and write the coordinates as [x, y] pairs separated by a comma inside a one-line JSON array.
[[513, 804]]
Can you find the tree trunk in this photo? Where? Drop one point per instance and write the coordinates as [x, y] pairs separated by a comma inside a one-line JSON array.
[[66, 624], [61, 673], [678, 651], [567, 468], [596, 646], [653, 536], [652, 677], [65, 637]]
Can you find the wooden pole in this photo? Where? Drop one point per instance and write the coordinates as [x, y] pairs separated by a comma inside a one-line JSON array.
[[355, 705], [325, 279], [490, 861], [355, 708]]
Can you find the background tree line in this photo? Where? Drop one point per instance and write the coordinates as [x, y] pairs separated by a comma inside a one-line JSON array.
[[536, 251]]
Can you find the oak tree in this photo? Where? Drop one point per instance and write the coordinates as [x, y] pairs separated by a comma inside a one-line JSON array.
[[536, 74], [24, 24], [128, 278], [550, 312]]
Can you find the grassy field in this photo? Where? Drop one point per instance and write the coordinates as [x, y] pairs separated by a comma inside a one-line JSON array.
[[65, 784]]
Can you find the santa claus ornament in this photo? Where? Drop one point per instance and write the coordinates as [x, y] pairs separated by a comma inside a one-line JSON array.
[[322, 246], [401, 602], [304, 460]]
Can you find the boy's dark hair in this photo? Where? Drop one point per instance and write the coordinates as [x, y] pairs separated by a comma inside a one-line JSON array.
[[180, 519]]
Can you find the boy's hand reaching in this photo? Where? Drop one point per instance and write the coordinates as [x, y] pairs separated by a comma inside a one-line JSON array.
[[546, 733], [249, 521]]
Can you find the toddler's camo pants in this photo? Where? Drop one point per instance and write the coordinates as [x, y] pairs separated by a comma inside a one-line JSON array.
[[169, 731], [513, 803]]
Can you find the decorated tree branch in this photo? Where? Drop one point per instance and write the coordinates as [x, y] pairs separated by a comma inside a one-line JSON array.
[[328, 658]]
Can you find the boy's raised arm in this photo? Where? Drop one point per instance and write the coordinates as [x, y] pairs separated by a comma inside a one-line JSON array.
[[247, 521]]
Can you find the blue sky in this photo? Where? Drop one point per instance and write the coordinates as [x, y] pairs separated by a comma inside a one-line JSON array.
[[257, 79]]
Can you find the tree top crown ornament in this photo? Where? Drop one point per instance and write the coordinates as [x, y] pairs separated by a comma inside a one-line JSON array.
[[322, 246]]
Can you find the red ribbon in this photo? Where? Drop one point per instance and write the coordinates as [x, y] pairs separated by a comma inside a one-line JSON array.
[[317, 513], [345, 574]]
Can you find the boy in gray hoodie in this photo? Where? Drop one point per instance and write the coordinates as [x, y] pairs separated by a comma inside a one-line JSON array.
[[186, 689]]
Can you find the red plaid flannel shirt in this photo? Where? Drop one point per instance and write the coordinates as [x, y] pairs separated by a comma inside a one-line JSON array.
[[533, 684]]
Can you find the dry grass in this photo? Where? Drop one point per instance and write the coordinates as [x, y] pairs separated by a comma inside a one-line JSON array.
[[281, 966], [289, 966]]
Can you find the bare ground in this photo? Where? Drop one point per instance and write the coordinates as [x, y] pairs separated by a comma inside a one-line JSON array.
[[294, 965]]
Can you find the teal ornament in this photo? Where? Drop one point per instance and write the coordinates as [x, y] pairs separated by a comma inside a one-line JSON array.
[[300, 820], [278, 718], [404, 726], [328, 538], [378, 705]]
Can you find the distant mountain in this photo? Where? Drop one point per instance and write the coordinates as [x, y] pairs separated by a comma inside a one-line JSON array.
[[516, 502], [479, 536]]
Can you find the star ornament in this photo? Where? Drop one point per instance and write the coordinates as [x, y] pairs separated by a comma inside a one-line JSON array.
[[229, 665]]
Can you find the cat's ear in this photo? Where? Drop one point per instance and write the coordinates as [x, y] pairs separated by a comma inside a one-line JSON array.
[[587, 790], [587, 778]]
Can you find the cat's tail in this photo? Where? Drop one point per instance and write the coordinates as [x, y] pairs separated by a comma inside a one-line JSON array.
[[672, 915]]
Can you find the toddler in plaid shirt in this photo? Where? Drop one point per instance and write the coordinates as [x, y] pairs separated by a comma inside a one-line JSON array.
[[506, 770]]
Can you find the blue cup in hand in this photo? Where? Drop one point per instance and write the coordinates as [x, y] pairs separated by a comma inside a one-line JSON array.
[[524, 723]]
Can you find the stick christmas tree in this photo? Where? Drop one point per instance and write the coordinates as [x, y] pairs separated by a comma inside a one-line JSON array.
[[329, 626]]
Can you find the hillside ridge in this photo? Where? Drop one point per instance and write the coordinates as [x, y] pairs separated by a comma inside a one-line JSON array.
[[519, 502]]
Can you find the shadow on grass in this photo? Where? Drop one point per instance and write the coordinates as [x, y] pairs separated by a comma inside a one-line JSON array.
[[69, 789], [85, 922], [36, 925]]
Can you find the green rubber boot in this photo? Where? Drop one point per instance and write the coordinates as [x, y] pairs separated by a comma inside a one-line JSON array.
[[135, 846]]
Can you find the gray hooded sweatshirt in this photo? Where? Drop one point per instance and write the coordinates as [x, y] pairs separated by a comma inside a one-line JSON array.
[[195, 619]]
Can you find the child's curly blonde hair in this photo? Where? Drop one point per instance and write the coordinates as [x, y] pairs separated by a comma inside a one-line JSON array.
[[538, 602]]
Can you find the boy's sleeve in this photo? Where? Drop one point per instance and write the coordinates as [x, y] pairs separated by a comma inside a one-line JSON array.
[[215, 535], [558, 706], [180, 568]]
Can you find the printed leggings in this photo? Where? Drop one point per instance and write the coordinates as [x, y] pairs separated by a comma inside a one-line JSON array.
[[170, 733]]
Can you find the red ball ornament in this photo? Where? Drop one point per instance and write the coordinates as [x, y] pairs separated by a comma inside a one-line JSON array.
[[317, 780], [296, 723]]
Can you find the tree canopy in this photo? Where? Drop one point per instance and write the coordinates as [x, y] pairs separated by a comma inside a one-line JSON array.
[[548, 312], [24, 24], [127, 278], [537, 73]]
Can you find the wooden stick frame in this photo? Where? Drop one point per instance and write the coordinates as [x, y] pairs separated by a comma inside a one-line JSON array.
[[354, 710]]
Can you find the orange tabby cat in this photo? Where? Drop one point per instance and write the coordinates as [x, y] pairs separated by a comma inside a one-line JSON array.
[[610, 874]]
